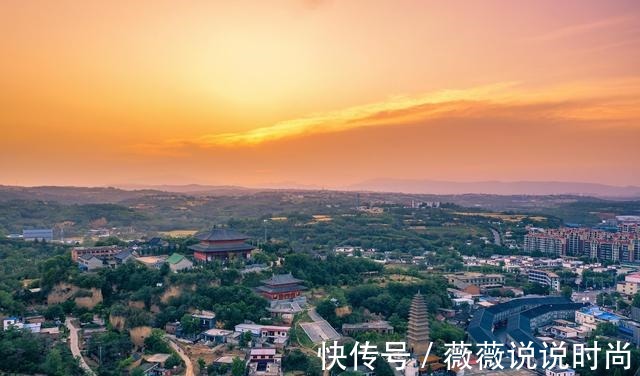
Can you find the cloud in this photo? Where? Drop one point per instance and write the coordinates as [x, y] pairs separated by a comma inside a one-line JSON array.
[[607, 101], [582, 28]]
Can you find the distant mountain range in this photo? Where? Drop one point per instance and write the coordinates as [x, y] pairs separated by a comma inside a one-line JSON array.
[[122, 193], [496, 188]]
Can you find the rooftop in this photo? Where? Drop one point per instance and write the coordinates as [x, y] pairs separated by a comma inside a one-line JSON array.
[[211, 248], [263, 351], [281, 279], [157, 358], [175, 258]]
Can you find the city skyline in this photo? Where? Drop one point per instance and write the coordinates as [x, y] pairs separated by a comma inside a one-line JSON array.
[[319, 93]]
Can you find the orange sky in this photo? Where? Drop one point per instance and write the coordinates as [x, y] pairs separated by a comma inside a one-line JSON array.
[[323, 93]]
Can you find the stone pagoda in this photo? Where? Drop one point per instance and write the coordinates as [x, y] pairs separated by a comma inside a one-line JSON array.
[[418, 329]]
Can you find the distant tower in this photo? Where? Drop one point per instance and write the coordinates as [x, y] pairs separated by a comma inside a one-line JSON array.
[[357, 200], [418, 329]]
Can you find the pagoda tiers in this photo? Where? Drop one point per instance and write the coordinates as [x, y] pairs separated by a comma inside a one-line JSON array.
[[281, 287], [220, 244], [418, 329]]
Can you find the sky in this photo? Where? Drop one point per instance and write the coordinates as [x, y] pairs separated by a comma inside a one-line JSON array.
[[318, 93]]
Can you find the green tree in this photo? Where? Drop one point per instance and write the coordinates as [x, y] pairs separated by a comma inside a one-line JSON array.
[[237, 367], [173, 361], [202, 365], [53, 364], [155, 343], [189, 324], [606, 329], [566, 291]]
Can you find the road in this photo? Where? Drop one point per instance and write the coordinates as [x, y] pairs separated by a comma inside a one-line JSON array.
[[319, 330], [75, 350], [185, 358], [496, 237]]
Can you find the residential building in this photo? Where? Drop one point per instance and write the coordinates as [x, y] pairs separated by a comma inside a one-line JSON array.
[[592, 316], [630, 330], [93, 261], [264, 362], [620, 246], [631, 284], [217, 336], [482, 281], [545, 277], [206, 319], [100, 252], [178, 262], [563, 332], [38, 234], [271, 332], [90, 262], [262, 354]]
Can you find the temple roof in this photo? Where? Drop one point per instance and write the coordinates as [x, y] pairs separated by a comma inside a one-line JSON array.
[[281, 279], [211, 248], [220, 234]]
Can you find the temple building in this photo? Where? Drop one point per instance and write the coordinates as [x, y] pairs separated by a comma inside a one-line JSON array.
[[220, 244], [281, 287], [418, 329]]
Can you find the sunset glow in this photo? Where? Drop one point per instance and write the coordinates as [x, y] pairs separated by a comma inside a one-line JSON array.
[[318, 93]]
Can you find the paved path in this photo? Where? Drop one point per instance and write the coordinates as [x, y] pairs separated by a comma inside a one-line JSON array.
[[319, 330], [185, 358], [73, 344], [496, 237]]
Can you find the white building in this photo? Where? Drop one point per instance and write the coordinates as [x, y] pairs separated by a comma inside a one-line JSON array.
[[545, 277]]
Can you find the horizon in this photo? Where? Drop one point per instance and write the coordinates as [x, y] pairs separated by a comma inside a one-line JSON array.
[[391, 186], [257, 95]]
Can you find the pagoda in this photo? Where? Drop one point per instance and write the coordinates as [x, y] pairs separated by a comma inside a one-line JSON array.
[[281, 287], [221, 244], [418, 329]]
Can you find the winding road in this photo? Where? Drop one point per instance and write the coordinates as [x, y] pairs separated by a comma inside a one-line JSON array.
[[189, 366], [75, 350]]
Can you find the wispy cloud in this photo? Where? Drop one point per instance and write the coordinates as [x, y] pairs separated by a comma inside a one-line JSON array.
[[358, 116], [583, 28], [611, 100]]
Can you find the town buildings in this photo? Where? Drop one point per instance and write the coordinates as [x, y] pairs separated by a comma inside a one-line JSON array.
[[178, 262], [545, 277], [264, 362], [221, 244], [37, 234], [630, 286], [474, 283], [272, 335], [623, 246], [100, 252], [96, 260]]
